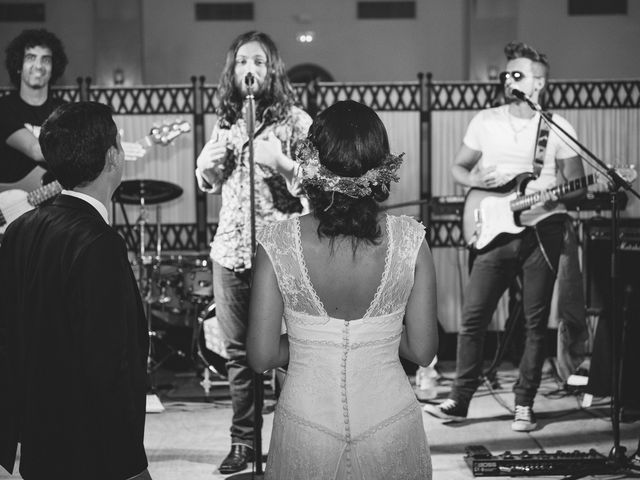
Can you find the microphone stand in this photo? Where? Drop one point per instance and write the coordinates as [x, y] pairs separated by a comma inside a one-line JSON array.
[[617, 453], [258, 393]]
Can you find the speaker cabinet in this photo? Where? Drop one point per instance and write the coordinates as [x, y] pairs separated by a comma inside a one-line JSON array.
[[597, 269]]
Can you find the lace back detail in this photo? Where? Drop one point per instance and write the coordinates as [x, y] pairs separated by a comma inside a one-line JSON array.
[[405, 238], [280, 242]]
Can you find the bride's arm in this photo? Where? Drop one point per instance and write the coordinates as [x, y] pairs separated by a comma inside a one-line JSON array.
[[419, 341], [266, 347]]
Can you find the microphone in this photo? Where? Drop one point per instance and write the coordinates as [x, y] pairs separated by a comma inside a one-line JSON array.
[[520, 95], [249, 80]]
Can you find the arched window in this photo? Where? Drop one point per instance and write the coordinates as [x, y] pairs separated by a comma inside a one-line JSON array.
[[307, 73]]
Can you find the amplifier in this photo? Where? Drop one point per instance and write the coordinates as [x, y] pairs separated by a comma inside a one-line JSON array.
[[510, 464]]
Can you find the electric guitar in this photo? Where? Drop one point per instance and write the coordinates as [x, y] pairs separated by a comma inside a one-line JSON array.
[[19, 197], [488, 214]]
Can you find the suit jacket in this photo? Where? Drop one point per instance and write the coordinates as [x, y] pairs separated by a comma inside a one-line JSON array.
[[73, 347]]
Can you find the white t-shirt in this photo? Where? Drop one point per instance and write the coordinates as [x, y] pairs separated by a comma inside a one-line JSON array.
[[509, 143]]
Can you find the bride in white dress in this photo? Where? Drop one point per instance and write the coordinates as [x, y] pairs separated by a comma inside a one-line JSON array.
[[356, 289]]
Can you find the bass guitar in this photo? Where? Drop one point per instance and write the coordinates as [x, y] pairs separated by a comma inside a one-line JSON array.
[[15, 199], [487, 214]]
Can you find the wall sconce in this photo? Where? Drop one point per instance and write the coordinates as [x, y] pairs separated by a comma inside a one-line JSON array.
[[118, 76], [492, 73], [305, 37]]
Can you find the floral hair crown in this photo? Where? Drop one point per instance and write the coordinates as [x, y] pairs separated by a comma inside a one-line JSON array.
[[315, 174]]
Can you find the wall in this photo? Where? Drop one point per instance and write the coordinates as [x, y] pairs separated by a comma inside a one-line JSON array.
[[453, 39], [350, 49], [578, 47], [72, 21]]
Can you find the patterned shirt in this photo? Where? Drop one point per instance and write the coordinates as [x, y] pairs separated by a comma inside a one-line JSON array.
[[231, 246]]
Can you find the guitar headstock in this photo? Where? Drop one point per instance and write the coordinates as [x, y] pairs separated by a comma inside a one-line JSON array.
[[167, 132]]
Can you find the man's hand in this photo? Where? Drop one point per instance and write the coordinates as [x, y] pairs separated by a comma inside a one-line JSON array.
[[487, 177], [548, 200], [268, 153], [133, 150], [210, 161]]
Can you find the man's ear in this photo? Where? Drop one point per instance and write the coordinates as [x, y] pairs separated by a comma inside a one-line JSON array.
[[111, 157], [539, 83]]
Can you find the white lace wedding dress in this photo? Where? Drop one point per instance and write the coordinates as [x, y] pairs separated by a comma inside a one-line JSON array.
[[347, 409]]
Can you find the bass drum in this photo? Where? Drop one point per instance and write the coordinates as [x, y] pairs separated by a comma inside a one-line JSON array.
[[211, 349]]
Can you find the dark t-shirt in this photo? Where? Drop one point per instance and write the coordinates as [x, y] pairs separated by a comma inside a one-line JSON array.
[[14, 114]]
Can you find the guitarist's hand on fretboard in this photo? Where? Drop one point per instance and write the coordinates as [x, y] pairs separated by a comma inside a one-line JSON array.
[[548, 200], [133, 151]]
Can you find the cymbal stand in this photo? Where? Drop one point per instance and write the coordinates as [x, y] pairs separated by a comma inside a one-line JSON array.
[[149, 269]]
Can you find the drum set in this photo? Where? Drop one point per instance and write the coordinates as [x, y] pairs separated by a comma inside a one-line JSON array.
[[176, 288]]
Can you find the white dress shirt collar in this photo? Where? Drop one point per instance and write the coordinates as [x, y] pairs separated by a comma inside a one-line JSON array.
[[98, 205]]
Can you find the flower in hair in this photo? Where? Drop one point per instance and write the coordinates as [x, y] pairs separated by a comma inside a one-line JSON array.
[[313, 173]]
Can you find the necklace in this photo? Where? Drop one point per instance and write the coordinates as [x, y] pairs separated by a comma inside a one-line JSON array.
[[517, 130]]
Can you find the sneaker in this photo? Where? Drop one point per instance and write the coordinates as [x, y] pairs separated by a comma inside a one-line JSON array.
[[448, 410], [524, 420]]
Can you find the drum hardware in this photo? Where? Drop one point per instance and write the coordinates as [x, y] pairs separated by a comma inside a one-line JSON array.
[[143, 193], [209, 346]]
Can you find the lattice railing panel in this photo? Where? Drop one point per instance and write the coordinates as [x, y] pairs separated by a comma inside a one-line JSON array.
[[559, 95], [209, 100], [593, 94], [68, 94], [445, 233], [462, 96], [380, 97], [175, 236], [146, 100]]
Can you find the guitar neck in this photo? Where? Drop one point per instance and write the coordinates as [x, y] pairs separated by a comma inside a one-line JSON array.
[[44, 193], [526, 201]]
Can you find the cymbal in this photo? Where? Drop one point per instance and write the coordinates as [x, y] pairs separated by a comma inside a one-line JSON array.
[[153, 191]]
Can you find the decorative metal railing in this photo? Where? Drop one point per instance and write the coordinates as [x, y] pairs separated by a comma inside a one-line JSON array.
[[423, 95]]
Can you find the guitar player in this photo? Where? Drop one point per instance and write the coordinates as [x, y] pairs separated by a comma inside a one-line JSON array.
[[499, 144], [34, 60]]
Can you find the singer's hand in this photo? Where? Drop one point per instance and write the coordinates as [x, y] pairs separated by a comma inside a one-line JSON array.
[[210, 161], [268, 153], [487, 177]]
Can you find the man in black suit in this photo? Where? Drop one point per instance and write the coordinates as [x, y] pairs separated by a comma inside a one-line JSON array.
[[73, 336]]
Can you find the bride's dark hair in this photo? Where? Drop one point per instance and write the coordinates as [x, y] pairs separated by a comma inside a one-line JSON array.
[[350, 139]]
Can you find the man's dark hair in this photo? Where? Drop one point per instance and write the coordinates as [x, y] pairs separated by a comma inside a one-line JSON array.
[[515, 50], [75, 140], [35, 38], [277, 97]]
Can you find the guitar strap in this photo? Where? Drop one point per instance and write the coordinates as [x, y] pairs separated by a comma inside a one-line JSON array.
[[541, 146]]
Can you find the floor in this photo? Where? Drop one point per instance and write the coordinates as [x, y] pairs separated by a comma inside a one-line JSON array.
[[190, 437]]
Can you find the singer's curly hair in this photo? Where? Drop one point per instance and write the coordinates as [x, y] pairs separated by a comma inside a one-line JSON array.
[[277, 97], [35, 38], [515, 50]]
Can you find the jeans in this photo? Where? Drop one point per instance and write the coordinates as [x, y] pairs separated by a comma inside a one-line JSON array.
[[534, 253], [231, 291]]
